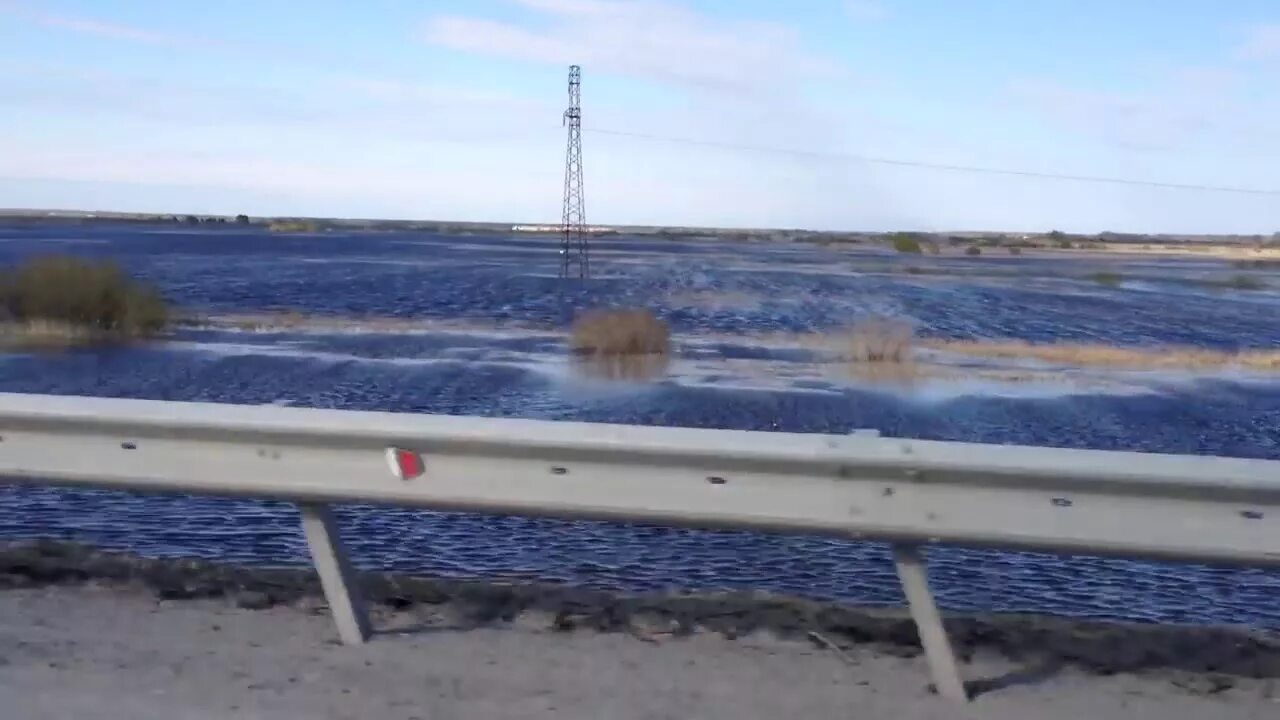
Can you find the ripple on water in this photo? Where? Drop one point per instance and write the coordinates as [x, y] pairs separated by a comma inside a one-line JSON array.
[[642, 557], [757, 288]]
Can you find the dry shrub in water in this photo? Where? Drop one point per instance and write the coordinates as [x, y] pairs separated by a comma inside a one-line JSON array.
[[621, 344], [613, 333], [880, 340], [93, 297]]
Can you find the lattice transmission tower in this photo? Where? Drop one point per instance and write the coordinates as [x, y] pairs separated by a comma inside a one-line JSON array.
[[573, 242]]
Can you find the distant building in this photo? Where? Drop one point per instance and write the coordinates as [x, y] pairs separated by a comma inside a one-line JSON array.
[[556, 229]]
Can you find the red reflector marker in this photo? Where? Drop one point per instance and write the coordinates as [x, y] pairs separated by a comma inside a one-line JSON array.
[[405, 464]]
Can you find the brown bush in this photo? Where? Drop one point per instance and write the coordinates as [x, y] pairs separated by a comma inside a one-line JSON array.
[[880, 340], [94, 297], [615, 333]]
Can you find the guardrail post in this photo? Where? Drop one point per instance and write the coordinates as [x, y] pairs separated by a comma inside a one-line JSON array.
[[933, 636], [337, 577]]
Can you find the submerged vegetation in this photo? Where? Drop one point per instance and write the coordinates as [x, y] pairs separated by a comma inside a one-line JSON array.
[[1239, 282], [56, 299], [1107, 279]]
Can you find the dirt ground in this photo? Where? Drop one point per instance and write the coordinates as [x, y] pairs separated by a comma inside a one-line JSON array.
[[99, 653]]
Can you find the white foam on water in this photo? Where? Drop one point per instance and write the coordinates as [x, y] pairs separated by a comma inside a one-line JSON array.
[[532, 362], [497, 247], [63, 241], [321, 326], [424, 262], [935, 383], [184, 231], [295, 352], [945, 390]]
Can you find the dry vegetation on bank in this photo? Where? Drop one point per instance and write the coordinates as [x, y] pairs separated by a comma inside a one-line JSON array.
[[636, 344], [877, 340], [875, 344], [1098, 355]]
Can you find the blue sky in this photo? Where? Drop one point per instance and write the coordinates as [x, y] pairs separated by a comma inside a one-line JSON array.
[[451, 109]]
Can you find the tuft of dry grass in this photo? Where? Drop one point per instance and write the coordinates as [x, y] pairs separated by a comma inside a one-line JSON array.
[[616, 333], [46, 335], [876, 349], [879, 340], [1096, 355]]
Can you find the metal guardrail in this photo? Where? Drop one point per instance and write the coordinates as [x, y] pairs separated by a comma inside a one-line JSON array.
[[910, 493]]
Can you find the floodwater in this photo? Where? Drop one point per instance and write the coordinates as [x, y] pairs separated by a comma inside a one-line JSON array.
[[474, 326]]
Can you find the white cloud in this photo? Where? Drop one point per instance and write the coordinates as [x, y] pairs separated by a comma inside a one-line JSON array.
[[648, 39], [1173, 110], [740, 81], [409, 92], [1261, 42], [1134, 121], [98, 28], [106, 29], [373, 108], [866, 10], [447, 147]]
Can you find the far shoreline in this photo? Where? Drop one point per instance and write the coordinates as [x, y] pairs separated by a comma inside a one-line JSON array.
[[1050, 243]]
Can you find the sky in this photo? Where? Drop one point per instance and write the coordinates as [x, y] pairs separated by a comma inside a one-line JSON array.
[[451, 109]]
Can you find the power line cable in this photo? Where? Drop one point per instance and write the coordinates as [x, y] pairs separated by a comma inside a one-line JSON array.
[[851, 157]]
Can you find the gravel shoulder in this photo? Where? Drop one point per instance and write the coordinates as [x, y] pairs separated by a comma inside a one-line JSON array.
[[95, 652]]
